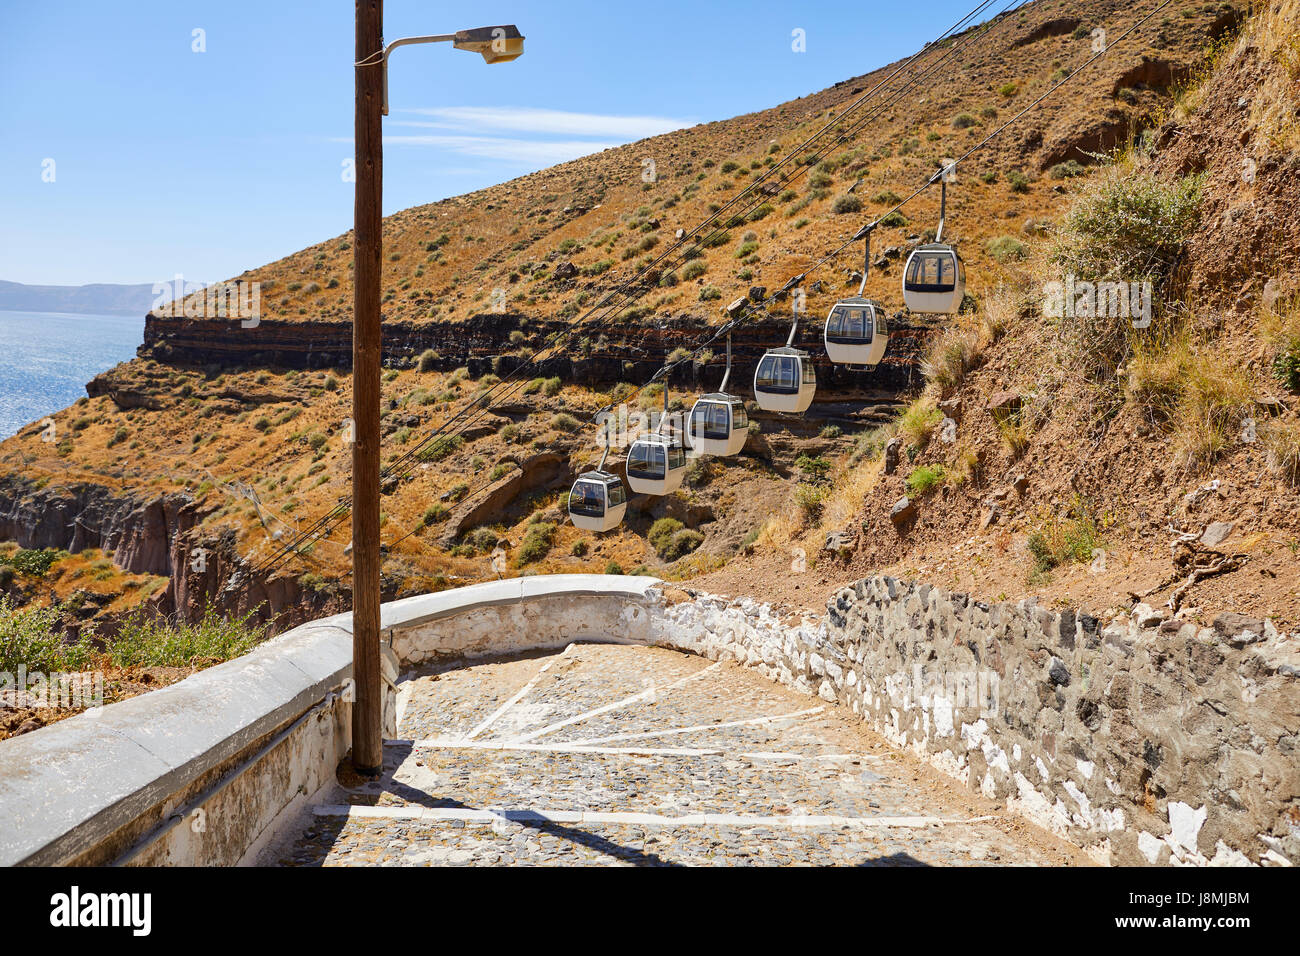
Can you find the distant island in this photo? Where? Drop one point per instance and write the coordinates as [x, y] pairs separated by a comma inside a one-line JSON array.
[[98, 298]]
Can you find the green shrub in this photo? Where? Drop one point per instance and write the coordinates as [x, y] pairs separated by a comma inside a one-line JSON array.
[[846, 204], [580, 548], [33, 562], [810, 500], [1005, 248], [1125, 224], [482, 539], [924, 479], [671, 540], [147, 640], [564, 422], [815, 468], [428, 360], [661, 533], [613, 568], [694, 269], [434, 513], [895, 220], [1059, 541], [29, 637], [1066, 170], [1018, 181], [964, 121]]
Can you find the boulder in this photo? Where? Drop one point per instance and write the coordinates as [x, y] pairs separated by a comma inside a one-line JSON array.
[[1216, 533], [903, 512], [893, 451], [1238, 629], [1003, 404]]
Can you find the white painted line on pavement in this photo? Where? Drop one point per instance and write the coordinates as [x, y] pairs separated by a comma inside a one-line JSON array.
[[625, 702], [791, 821], [454, 743], [519, 695], [698, 727]]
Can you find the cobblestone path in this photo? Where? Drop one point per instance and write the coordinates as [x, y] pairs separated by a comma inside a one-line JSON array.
[[609, 754]]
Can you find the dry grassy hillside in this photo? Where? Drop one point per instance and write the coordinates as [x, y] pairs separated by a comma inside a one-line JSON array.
[[235, 457], [1091, 460]]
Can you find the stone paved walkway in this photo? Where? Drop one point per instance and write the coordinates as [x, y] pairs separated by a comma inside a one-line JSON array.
[[611, 755]]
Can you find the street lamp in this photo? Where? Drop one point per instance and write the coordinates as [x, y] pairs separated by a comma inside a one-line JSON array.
[[496, 45]]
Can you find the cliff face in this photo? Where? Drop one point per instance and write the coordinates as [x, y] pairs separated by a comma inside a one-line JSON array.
[[154, 535], [618, 352]]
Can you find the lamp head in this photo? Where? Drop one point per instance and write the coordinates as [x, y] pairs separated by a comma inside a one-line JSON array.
[[496, 44]]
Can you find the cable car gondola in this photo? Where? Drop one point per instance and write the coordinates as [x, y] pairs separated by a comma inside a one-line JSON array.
[[934, 279], [656, 463], [856, 332], [719, 424], [598, 501], [785, 380]]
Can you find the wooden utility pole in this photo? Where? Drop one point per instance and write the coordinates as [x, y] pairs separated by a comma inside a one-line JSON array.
[[367, 710]]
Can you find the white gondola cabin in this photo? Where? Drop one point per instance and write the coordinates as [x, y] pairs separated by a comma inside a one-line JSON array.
[[597, 501], [656, 465], [934, 279], [719, 425], [785, 381], [856, 332]]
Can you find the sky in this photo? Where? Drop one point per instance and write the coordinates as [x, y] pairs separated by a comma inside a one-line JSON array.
[[141, 138]]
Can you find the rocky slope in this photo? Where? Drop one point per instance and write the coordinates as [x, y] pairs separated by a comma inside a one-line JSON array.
[[231, 439]]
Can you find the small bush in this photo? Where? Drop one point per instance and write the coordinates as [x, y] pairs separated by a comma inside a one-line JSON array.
[[537, 542], [1018, 181], [564, 422], [918, 421], [694, 269], [1072, 538], [924, 479], [816, 468], [810, 500], [964, 121], [146, 640], [30, 637], [613, 568], [428, 360], [1005, 249], [951, 355], [661, 534], [1066, 170], [846, 204]]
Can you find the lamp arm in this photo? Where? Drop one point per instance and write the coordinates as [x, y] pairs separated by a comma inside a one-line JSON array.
[[404, 41]]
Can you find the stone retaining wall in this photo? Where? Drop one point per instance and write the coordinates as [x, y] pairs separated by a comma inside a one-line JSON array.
[[1143, 741]]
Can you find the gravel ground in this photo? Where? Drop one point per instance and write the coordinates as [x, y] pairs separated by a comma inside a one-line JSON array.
[[669, 738]]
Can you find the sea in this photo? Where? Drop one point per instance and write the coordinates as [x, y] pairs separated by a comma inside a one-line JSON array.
[[46, 359]]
